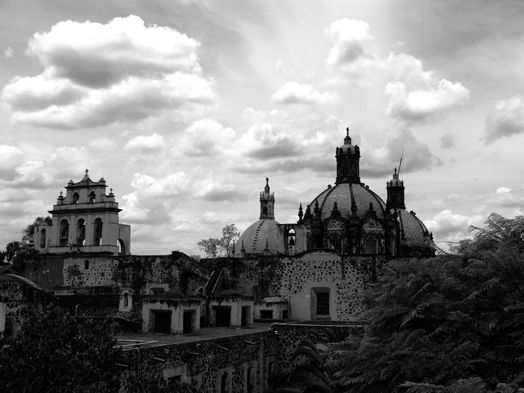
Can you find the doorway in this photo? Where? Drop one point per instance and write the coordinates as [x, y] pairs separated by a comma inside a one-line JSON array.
[[246, 310], [162, 321], [188, 321], [222, 316]]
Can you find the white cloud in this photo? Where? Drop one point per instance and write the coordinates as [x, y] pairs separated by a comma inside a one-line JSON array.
[[206, 137], [9, 52], [96, 74], [447, 225], [145, 143], [447, 141], [503, 190], [10, 158], [506, 119], [350, 52], [419, 104], [297, 93]]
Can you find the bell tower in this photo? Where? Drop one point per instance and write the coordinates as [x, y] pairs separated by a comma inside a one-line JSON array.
[[348, 157], [267, 203]]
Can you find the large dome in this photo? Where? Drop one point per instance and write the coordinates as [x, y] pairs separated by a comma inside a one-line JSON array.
[[343, 194], [261, 236]]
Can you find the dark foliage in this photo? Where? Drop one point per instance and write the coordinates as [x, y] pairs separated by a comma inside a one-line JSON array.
[[57, 352], [447, 324]]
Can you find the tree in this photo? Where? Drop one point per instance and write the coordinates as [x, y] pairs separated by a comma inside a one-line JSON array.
[[215, 247], [230, 235], [211, 246], [56, 352], [445, 324], [29, 231]]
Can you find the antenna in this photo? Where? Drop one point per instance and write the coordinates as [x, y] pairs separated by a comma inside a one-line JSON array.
[[400, 164]]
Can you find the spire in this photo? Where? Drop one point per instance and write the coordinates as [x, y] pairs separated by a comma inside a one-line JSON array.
[[347, 139], [307, 215], [316, 211], [267, 190], [300, 214], [335, 213]]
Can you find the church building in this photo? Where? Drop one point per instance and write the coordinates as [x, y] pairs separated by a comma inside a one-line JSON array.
[[348, 218]]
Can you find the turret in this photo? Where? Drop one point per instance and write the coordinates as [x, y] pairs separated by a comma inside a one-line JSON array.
[[395, 191], [348, 157], [267, 203]]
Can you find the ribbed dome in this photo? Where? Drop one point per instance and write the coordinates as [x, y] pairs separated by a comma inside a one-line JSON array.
[[259, 235], [414, 230], [343, 194]]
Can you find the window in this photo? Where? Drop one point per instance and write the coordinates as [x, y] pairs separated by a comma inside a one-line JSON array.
[[264, 210], [320, 303], [323, 303], [97, 232], [86, 264], [224, 382], [92, 197], [266, 314], [64, 233], [42, 238], [371, 245], [76, 197], [81, 232], [126, 299]]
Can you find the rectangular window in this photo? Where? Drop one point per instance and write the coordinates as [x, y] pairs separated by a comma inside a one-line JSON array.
[[266, 314], [322, 303]]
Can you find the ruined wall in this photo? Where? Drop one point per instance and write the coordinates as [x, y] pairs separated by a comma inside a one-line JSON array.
[[257, 360], [204, 363]]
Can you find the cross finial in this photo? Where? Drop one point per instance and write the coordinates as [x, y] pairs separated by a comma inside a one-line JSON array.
[[347, 131], [87, 171]]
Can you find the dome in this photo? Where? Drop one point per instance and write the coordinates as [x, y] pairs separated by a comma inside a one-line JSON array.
[[343, 194], [265, 233], [413, 231]]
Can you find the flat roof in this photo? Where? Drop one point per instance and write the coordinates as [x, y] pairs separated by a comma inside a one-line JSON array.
[[150, 340]]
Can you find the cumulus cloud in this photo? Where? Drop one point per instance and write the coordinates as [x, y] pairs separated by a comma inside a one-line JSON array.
[[447, 225], [219, 191], [414, 94], [350, 52], [380, 160], [96, 74], [419, 104], [206, 137], [264, 141], [505, 120], [152, 199], [9, 52], [297, 93], [145, 143], [10, 158]]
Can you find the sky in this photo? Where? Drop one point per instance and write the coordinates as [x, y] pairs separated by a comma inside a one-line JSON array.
[[185, 107]]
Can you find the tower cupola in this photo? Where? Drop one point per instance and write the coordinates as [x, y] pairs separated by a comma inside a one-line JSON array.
[[395, 191], [348, 157], [267, 202]]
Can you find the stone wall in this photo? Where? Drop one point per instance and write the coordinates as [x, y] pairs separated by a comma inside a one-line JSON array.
[[257, 360]]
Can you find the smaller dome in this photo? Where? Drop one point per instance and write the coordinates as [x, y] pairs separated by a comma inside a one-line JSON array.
[[415, 232], [263, 235]]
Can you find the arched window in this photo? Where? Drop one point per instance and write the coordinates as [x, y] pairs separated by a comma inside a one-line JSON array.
[[42, 238], [126, 299], [224, 382], [97, 232], [64, 233], [76, 197], [121, 247], [371, 245], [80, 232], [92, 197]]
